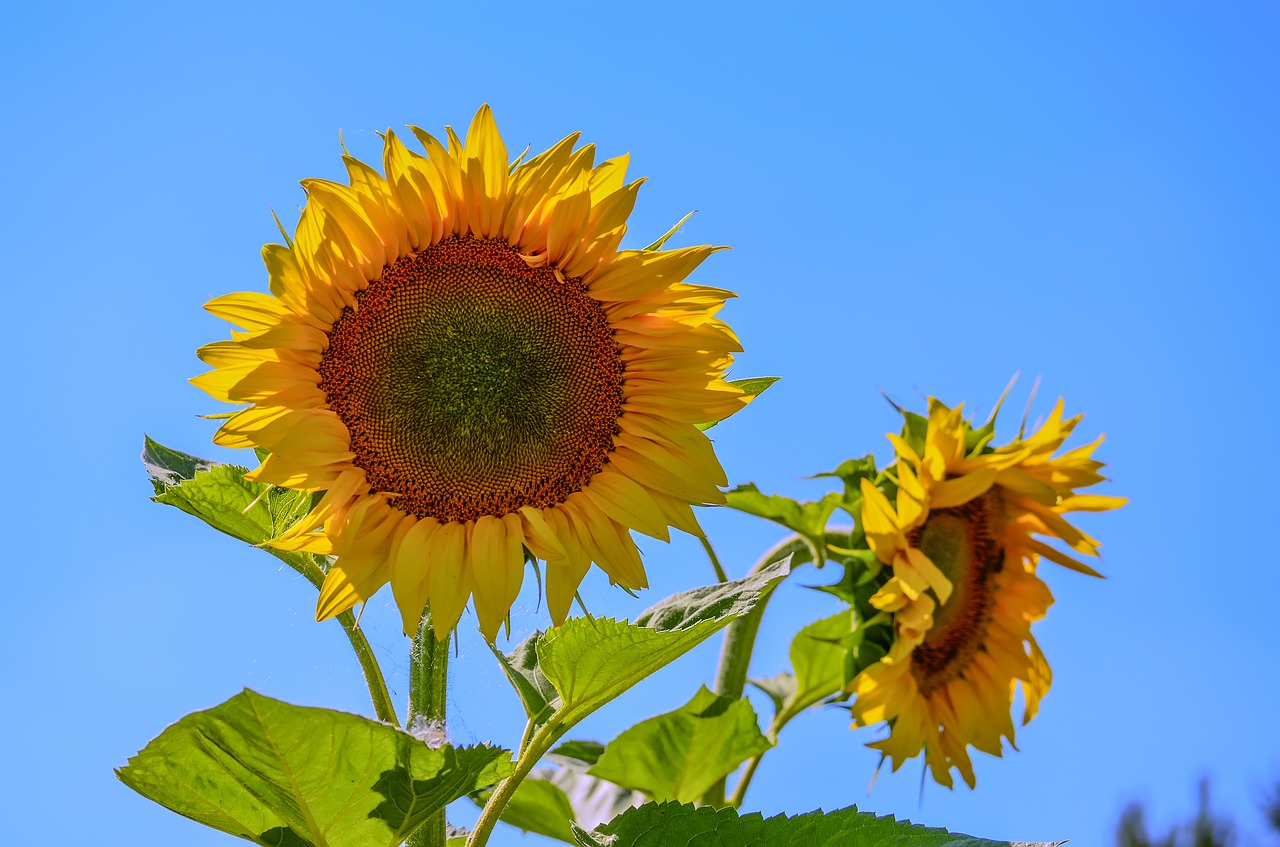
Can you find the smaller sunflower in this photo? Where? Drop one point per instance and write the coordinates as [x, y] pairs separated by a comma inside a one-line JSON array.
[[960, 541]]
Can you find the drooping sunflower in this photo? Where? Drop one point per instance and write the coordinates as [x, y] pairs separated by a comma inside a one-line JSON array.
[[462, 359], [960, 542]]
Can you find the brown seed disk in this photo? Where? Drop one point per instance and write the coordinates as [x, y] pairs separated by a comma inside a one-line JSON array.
[[472, 384], [962, 542]]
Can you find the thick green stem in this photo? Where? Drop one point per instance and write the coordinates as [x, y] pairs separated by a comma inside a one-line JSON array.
[[740, 636], [428, 680], [735, 659], [740, 641]]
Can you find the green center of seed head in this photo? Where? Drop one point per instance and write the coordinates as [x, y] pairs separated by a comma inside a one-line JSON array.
[[945, 540], [474, 385]]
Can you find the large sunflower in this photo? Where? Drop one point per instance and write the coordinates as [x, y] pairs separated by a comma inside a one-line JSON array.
[[460, 357], [960, 542]]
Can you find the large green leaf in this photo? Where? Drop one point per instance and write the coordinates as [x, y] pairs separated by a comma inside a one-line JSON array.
[[675, 825], [590, 661], [679, 755], [289, 776]]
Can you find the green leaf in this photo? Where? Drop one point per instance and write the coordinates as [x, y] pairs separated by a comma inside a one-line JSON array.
[[819, 658], [289, 776], [539, 806], [780, 688], [591, 661], [915, 428], [536, 693], [551, 801], [586, 752], [808, 519], [681, 754], [675, 825], [168, 468], [220, 496], [752, 386], [657, 245], [851, 472], [226, 501]]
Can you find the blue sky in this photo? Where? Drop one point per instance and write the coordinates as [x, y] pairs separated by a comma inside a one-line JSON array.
[[922, 199]]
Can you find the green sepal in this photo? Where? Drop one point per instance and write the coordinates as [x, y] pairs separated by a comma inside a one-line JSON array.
[[676, 825], [681, 754], [851, 472], [752, 386], [666, 236], [915, 428], [281, 775]]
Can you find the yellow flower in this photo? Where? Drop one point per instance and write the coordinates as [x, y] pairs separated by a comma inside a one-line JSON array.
[[960, 542], [460, 357]]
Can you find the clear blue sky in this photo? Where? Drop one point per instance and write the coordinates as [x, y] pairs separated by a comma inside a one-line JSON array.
[[923, 198]]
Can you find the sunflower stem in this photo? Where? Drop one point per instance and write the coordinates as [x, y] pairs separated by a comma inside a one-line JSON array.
[[378, 693], [715, 560], [740, 641], [749, 771], [428, 680], [307, 566], [542, 740]]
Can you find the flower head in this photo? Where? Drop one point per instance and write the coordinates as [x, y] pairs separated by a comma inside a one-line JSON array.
[[461, 358], [962, 540]]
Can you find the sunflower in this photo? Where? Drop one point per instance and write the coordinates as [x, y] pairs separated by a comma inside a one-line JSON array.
[[458, 355], [960, 542]]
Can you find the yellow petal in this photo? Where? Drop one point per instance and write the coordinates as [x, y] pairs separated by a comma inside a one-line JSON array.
[[249, 310], [539, 535], [1060, 558], [924, 566], [348, 583], [448, 576], [627, 503], [497, 567], [409, 566], [956, 492], [880, 523]]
